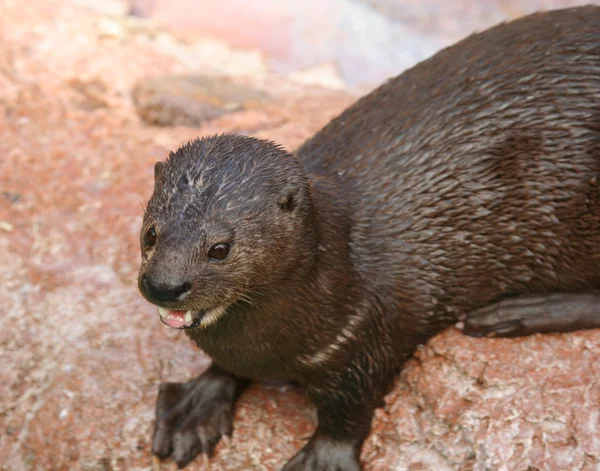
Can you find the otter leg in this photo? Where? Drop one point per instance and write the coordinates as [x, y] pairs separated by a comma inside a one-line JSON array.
[[336, 444], [191, 417], [525, 315], [345, 400]]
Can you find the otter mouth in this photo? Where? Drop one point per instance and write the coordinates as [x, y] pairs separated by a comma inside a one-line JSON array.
[[188, 319]]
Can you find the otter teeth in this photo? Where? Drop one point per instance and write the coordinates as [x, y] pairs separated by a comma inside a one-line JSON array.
[[164, 313], [209, 317]]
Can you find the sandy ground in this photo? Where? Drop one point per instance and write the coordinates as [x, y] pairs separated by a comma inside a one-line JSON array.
[[82, 354]]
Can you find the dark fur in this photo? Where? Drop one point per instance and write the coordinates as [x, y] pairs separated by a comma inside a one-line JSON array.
[[467, 179]]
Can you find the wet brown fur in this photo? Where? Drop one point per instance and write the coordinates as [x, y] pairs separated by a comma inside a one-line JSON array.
[[470, 177]]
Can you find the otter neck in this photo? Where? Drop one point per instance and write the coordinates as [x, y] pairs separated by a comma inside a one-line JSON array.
[[325, 271]]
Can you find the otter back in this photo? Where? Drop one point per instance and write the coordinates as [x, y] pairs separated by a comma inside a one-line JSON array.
[[476, 171]]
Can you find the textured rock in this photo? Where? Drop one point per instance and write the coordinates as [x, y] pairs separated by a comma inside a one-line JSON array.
[[82, 354], [190, 100]]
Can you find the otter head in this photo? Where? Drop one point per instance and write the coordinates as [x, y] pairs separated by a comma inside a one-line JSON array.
[[230, 217]]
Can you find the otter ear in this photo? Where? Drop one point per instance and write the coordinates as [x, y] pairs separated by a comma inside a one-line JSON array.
[[159, 170], [291, 198]]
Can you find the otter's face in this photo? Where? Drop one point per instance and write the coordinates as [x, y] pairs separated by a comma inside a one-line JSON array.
[[229, 218]]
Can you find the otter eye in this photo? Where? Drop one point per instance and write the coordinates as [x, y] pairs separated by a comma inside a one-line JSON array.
[[150, 237], [219, 251]]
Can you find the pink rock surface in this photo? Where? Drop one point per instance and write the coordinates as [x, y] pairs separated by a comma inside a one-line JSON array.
[[82, 354]]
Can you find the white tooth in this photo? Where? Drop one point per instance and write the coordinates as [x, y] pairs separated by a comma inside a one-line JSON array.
[[188, 317], [163, 312]]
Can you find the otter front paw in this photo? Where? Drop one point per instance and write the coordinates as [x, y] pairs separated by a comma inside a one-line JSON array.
[[323, 454], [191, 417]]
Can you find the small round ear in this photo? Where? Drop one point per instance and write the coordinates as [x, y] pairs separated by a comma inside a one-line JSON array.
[[291, 198], [159, 170]]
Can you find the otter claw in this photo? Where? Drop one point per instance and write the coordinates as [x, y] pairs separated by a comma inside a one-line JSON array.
[[192, 417]]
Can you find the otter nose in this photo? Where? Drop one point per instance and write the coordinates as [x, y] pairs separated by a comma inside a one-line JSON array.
[[164, 292]]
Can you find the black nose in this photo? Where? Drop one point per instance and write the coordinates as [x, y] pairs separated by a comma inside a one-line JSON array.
[[164, 292]]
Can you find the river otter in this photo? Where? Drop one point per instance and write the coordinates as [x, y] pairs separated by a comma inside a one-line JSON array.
[[464, 190]]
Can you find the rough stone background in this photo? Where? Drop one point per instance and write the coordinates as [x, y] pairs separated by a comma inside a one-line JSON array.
[[82, 354]]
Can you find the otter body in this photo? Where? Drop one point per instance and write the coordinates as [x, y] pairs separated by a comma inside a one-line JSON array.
[[463, 190]]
